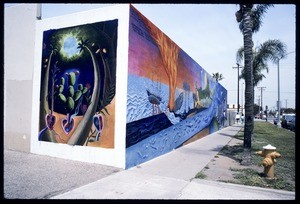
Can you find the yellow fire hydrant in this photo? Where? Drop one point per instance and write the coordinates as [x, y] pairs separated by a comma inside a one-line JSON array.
[[269, 160]]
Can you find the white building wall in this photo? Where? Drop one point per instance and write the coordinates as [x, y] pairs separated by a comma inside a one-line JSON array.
[[19, 38]]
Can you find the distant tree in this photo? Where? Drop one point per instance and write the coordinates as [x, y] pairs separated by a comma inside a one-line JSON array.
[[272, 113], [217, 76], [287, 110]]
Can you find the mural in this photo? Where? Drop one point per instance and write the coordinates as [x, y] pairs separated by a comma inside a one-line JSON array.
[[171, 100], [78, 78]]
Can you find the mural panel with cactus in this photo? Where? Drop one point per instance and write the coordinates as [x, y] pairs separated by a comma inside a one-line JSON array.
[[170, 99], [78, 80]]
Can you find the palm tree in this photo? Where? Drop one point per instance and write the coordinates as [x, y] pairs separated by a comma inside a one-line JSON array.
[[44, 106], [217, 76], [249, 18], [270, 50]]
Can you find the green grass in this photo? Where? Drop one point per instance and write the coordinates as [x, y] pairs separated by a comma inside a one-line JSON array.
[[265, 133], [200, 175], [251, 177], [284, 141]]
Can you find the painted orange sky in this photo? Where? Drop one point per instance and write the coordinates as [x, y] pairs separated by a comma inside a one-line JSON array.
[[145, 59]]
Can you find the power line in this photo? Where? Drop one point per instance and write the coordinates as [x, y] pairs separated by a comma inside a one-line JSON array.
[[290, 92]]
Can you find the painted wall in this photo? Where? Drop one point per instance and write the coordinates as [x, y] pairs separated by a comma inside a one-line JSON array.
[[171, 100], [18, 74], [154, 99], [78, 85], [79, 79]]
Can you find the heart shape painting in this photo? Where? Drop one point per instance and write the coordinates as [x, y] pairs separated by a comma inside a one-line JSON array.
[[50, 121], [98, 122], [67, 126]]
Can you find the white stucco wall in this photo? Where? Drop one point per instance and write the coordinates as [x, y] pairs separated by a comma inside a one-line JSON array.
[[19, 40], [112, 157]]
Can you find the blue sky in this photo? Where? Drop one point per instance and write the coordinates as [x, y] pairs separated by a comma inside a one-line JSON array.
[[209, 33]]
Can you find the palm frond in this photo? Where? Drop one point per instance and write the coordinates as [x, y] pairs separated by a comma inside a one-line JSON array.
[[271, 50], [257, 14], [257, 78], [240, 55], [82, 43]]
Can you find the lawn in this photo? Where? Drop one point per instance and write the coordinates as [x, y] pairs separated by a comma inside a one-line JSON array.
[[284, 140]]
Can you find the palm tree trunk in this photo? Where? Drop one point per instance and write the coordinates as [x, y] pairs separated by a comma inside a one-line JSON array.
[[44, 106], [248, 44], [82, 131], [107, 78], [253, 102]]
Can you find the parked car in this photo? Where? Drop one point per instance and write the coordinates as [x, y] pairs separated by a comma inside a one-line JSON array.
[[257, 116], [291, 124], [275, 121], [286, 120]]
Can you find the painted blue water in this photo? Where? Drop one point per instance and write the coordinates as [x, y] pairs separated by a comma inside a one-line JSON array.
[[138, 107], [170, 138]]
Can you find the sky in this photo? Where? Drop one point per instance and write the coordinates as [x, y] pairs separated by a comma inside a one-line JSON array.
[[210, 35]]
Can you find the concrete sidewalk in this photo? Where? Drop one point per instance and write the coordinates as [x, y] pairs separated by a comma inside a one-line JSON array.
[[171, 176], [31, 176]]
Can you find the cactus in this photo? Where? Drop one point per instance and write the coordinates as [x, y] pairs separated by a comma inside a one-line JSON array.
[[72, 95], [85, 90], [71, 78], [77, 95], [60, 88], [70, 104], [71, 98], [62, 81], [71, 90], [80, 87], [62, 98]]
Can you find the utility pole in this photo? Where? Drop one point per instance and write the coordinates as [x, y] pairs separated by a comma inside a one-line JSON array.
[[278, 102], [261, 96], [238, 85], [286, 104]]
